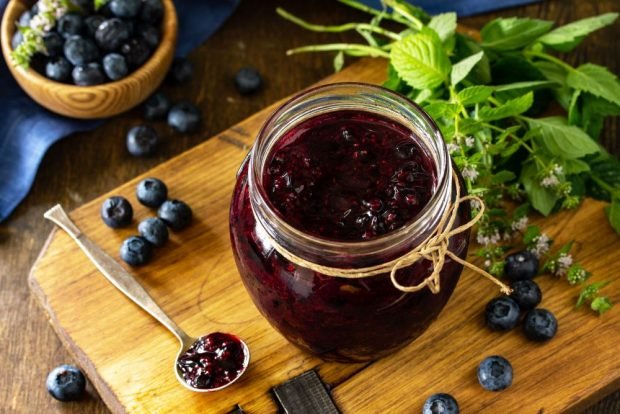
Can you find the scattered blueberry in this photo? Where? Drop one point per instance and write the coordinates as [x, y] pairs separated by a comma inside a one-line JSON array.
[[142, 141], [156, 107], [88, 75], [521, 265], [115, 66], [58, 69], [112, 33], [136, 51], [66, 383], [54, 44], [136, 251], [152, 11], [440, 404], [184, 117], [17, 39], [502, 314], [80, 50], [176, 214], [180, 71], [151, 192], [70, 24], [125, 8], [116, 212], [154, 230], [149, 34], [24, 19], [495, 373], [526, 293], [248, 81], [92, 23], [540, 325]]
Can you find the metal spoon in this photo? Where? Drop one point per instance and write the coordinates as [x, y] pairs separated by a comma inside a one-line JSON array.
[[126, 283]]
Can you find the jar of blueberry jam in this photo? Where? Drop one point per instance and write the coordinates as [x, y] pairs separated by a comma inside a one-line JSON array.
[[348, 176]]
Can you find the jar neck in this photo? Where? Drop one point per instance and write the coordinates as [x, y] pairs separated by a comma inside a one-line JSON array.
[[360, 97]]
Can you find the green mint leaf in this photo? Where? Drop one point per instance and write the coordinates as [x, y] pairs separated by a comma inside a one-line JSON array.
[[567, 37], [561, 139], [524, 87], [574, 115], [423, 96], [513, 33], [597, 80], [593, 113], [441, 109], [601, 305], [557, 74], [461, 69], [474, 94], [338, 61], [541, 198], [574, 166], [395, 83], [531, 233], [465, 46], [613, 214], [605, 168], [420, 60], [503, 176], [444, 25], [508, 109]]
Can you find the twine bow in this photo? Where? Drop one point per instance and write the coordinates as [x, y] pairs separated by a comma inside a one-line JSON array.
[[434, 248]]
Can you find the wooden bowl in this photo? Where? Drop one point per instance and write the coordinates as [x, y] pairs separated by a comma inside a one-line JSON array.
[[90, 102]]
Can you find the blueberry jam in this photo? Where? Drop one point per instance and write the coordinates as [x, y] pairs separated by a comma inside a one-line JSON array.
[[342, 179], [349, 176], [213, 361]]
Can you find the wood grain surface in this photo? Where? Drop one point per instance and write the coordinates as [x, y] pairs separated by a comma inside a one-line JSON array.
[[100, 101], [85, 165]]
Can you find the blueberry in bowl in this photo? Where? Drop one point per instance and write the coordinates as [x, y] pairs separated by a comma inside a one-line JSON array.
[[146, 39]]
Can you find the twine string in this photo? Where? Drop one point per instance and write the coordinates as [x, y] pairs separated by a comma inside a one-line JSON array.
[[433, 248]]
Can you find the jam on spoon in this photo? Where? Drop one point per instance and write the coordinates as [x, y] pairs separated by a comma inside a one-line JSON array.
[[213, 361]]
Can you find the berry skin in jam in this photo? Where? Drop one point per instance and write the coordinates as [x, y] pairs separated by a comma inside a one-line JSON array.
[[349, 176]]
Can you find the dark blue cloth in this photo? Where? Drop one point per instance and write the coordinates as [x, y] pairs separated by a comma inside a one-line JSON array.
[[462, 7], [27, 130]]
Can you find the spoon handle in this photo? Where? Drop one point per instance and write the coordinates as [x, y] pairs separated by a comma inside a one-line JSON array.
[[114, 272]]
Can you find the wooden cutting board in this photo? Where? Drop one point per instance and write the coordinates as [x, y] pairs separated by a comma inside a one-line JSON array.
[[129, 357]]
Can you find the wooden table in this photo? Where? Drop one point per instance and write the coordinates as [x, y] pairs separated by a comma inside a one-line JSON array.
[[85, 165]]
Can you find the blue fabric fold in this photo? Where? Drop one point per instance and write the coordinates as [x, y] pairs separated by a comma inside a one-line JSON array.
[[27, 130], [461, 7]]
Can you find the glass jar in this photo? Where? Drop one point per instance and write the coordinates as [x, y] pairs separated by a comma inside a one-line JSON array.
[[336, 318]]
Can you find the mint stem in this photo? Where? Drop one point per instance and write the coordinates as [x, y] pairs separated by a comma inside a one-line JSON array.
[[351, 49]]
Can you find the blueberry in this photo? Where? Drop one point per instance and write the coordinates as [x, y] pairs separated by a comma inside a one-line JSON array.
[[184, 117], [35, 9], [502, 314], [116, 212], [540, 325], [136, 251], [149, 34], [151, 192], [54, 44], [58, 69], [18, 39], [176, 214], [154, 230], [521, 265], [66, 383], [88, 75], [71, 24], [112, 33], [180, 71], [92, 23], [38, 62], [526, 293], [495, 373], [80, 50], [440, 404], [115, 66], [125, 8], [152, 11], [142, 141], [248, 81], [24, 19], [156, 107], [136, 51]]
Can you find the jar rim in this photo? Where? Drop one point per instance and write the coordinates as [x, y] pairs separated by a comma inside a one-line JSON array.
[[270, 218]]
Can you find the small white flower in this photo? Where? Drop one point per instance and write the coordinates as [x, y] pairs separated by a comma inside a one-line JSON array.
[[564, 261], [470, 172], [543, 243], [558, 170], [507, 236], [520, 225], [453, 148], [469, 141], [487, 263], [550, 181], [485, 240], [475, 204]]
